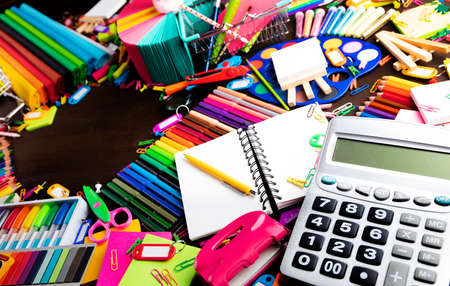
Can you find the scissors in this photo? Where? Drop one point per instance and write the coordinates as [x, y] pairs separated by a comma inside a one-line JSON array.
[[106, 218]]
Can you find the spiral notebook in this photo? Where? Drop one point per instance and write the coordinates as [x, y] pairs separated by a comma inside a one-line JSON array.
[[283, 149]]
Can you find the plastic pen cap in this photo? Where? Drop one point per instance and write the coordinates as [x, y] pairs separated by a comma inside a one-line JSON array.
[[11, 218], [61, 214], [69, 213], [4, 216], [31, 216], [21, 217], [40, 218], [51, 214]]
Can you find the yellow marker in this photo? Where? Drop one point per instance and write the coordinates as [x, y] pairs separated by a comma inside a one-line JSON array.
[[220, 175], [299, 183]]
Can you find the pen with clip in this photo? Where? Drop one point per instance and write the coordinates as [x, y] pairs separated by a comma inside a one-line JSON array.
[[15, 226], [40, 235], [37, 223], [58, 220], [3, 218], [25, 227], [59, 233]]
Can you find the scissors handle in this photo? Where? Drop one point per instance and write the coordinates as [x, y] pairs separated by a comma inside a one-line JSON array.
[[106, 225]]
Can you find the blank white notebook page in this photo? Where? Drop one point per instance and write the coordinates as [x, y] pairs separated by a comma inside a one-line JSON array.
[[210, 204]]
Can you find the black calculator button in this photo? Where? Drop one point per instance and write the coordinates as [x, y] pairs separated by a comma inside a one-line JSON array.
[[339, 248], [311, 241], [304, 261], [333, 268], [351, 210], [375, 235], [406, 235], [318, 222], [363, 276], [381, 216], [345, 228], [369, 255], [323, 204]]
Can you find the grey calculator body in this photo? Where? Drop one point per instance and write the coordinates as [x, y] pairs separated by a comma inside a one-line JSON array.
[[378, 208]]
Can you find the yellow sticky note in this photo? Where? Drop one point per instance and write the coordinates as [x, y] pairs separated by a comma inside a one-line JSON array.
[[95, 265]]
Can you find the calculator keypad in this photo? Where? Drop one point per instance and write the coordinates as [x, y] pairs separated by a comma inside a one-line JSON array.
[[368, 244]]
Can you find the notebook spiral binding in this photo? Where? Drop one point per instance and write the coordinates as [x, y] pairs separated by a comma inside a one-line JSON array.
[[259, 166]]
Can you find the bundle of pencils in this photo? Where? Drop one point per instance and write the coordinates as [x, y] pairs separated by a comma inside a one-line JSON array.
[[8, 182], [392, 94]]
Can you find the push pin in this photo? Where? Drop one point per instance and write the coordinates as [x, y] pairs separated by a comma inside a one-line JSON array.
[[98, 188]]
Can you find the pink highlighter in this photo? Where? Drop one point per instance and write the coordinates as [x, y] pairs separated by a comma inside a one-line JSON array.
[[254, 232]]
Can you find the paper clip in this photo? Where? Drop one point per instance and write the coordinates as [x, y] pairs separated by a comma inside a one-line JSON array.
[[342, 107], [114, 262], [158, 276], [374, 86], [428, 108], [360, 89], [184, 264], [299, 183], [311, 109], [310, 177], [169, 277]]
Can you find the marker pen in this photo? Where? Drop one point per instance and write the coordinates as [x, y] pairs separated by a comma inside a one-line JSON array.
[[15, 227], [56, 239], [25, 226], [56, 223], [3, 217], [46, 225], [37, 223]]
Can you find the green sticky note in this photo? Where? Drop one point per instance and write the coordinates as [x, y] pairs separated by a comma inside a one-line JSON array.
[[138, 273]]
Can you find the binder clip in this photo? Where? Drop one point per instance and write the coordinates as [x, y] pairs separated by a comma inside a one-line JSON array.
[[255, 234]]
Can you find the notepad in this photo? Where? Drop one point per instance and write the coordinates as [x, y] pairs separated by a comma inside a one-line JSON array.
[[138, 273], [285, 150], [433, 102]]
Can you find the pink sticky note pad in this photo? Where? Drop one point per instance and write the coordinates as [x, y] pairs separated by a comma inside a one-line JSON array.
[[121, 242], [410, 116], [433, 102]]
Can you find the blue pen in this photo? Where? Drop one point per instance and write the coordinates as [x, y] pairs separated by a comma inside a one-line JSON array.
[[57, 222], [139, 187], [337, 17], [155, 180], [327, 20], [147, 184], [344, 20], [60, 232]]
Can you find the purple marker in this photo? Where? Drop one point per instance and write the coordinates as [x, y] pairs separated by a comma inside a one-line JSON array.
[[219, 117], [225, 113]]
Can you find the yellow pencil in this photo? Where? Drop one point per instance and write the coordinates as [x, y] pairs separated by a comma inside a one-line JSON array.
[[220, 175]]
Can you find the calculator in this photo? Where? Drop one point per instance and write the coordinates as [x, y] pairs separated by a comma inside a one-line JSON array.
[[377, 211]]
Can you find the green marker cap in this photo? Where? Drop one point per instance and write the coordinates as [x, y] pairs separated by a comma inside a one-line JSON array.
[[51, 215], [42, 214]]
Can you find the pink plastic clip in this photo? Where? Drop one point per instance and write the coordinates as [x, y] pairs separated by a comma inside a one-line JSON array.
[[254, 232]]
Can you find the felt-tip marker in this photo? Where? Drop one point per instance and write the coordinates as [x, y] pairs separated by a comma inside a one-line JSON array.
[[45, 226], [16, 225], [37, 223], [56, 224], [25, 226], [60, 232]]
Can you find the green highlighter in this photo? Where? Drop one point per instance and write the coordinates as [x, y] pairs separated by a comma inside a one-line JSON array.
[[45, 226], [37, 223]]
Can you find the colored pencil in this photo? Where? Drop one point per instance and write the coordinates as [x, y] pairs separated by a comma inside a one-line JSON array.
[[396, 98], [389, 102], [395, 90], [395, 84], [381, 107], [376, 112], [400, 80], [365, 114]]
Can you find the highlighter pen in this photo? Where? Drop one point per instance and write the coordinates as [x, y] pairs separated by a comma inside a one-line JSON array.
[[337, 17], [320, 13], [355, 16], [344, 20], [60, 232], [26, 226], [37, 223], [328, 19], [15, 226], [154, 179], [57, 223], [45, 226], [4, 217]]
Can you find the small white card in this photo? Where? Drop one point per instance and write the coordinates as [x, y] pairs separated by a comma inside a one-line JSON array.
[[433, 102]]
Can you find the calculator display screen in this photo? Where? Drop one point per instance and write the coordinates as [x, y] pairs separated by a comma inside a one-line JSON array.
[[395, 158]]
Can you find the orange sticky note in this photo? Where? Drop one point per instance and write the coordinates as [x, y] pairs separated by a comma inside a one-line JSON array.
[[95, 265]]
